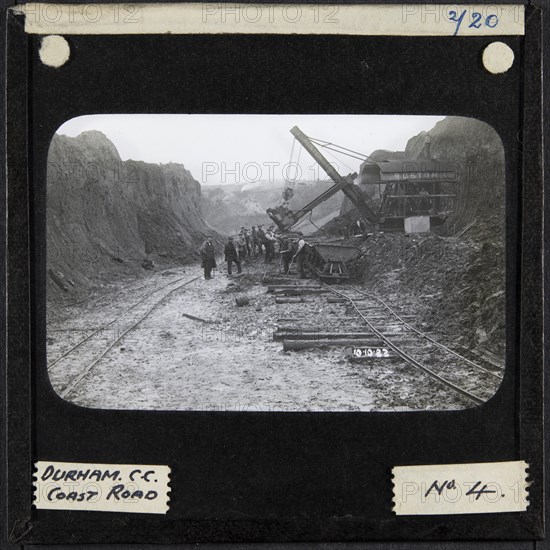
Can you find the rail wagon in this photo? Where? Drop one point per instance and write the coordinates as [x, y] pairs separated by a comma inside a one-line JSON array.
[[328, 260]]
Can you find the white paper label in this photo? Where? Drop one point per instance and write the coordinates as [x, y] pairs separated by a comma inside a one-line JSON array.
[[243, 18], [141, 489], [460, 488]]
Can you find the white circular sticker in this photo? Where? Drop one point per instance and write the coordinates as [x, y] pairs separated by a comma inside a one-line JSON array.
[[498, 57], [54, 51]]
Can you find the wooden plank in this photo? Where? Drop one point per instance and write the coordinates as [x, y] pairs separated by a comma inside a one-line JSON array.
[[290, 300], [328, 319], [312, 332], [281, 280], [275, 288], [295, 345], [298, 291], [199, 319], [299, 335]]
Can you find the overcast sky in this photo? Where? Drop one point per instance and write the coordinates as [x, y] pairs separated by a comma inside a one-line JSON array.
[[244, 148]]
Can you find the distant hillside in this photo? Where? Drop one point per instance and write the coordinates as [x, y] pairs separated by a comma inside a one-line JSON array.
[[229, 207]]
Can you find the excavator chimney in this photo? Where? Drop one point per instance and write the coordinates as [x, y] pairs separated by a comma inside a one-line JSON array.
[[428, 147]]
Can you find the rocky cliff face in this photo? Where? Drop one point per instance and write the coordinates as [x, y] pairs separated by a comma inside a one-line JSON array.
[[477, 152], [105, 215]]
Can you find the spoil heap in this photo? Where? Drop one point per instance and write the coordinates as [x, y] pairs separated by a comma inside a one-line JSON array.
[[455, 276], [454, 285]]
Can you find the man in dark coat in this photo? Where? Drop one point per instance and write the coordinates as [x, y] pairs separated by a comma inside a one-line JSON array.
[[248, 242], [287, 249], [240, 244], [260, 233], [269, 244], [231, 256], [254, 241], [208, 257]]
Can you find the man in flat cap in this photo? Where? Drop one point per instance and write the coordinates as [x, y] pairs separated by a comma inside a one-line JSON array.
[[270, 244], [241, 246], [231, 256], [208, 257], [254, 241], [262, 240]]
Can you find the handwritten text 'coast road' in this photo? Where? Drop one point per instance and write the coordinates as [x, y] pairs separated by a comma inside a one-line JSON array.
[[141, 489]]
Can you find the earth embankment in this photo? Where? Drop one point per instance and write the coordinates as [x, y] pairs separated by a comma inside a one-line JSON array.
[[107, 216]]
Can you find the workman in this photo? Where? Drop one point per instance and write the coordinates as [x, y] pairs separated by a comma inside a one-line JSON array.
[[287, 250], [270, 244], [208, 257], [247, 240], [254, 241], [299, 257], [262, 241], [231, 256], [241, 244]]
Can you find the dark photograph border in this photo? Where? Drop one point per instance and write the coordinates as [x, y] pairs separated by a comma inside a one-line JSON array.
[[231, 472]]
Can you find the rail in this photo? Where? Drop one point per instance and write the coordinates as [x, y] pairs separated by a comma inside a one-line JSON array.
[[76, 380], [404, 355]]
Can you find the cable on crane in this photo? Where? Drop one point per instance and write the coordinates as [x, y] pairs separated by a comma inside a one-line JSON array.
[[326, 144], [316, 226], [326, 147], [340, 160]]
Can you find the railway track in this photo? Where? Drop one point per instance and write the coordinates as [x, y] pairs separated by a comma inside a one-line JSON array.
[[95, 346], [487, 357], [369, 325], [94, 331], [97, 298]]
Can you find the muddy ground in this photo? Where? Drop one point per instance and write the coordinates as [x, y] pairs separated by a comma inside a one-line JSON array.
[[198, 350], [457, 285]]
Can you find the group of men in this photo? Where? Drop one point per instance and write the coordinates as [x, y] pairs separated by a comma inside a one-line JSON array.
[[250, 245], [257, 242]]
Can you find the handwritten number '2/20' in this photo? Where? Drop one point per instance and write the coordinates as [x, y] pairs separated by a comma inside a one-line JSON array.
[[490, 21]]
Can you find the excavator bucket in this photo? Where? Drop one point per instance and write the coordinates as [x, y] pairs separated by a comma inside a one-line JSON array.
[[283, 218]]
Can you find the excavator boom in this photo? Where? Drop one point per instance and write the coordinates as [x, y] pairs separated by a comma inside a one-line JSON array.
[[285, 219]]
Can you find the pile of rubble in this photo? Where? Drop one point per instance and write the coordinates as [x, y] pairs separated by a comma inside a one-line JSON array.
[[455, 285]]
